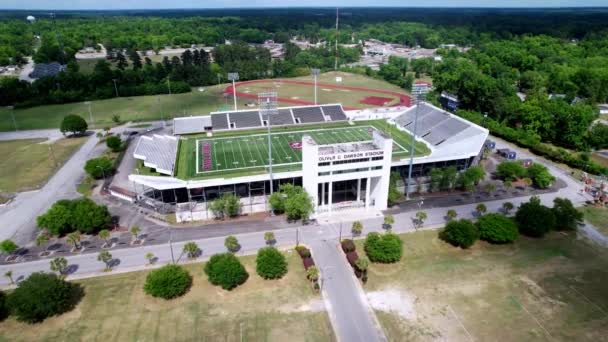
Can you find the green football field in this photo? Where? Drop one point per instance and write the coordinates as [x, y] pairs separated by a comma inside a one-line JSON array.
[[246, 152]]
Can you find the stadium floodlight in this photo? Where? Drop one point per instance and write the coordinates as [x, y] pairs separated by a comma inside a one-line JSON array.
[[268, 108], [233, 76], [419, 91], [91, 121], [12, 110], [315, 73]]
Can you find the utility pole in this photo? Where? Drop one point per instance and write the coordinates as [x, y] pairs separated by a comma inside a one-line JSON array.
[[169, 85], [115, 87], [233, 76], [337, 34], [91, 121], [419, 92], [268, 108], [12, 109], [160, 105], [315, 73]]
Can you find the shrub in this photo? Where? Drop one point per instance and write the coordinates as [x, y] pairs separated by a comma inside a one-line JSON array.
[[357, 228], [226, 270], [348, 245], [168, 282], [540, 175], [385, 248], [114, 143], [510, 170], [73, 124], [99, 167], [303, 251], [270, 263], [231, 243], [308, 262], [461, 233], [534, 219], [497, 228], [352, 258], [43, 295], [567, 217], [8, 246], [3, 306]]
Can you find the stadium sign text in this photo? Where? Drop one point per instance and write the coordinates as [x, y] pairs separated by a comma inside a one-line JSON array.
[[349, 156]]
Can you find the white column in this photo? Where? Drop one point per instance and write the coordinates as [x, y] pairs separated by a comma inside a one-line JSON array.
[[358, 189], [329, 200], [323, 193], [367, 199]]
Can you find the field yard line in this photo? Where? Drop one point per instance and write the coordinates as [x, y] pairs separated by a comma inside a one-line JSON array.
[[224, 153], [261, 154], [590, 302], [249, 150], [253, 167], [290, 150], [214, 164], [460, 322], [533, 317], [238, 142]]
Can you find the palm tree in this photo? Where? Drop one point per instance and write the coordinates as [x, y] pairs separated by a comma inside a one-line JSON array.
[[150, 257], [451, 214], [389, 220], [191, 249], [59, 265], [231, 243], [490, 187], [269, 238], [135, 231], [74, 239], [421, 216], [357, 228], [9, 275], [104, 234], [481, 209], [105, 257], [507, 207], [507, 184], [42, 239]]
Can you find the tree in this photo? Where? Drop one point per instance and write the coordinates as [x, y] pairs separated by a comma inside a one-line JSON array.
[[8, 246], [135, 59], [357, 228], [510, 170], [99, 167], [135, 232], [4, 309], [567, 217], [104, 234], [225, 270], [385, 248], [389, 220], [150, 257], [42, 295], [168, 282], [534, 219], [42, 239], [105, 257], [507, 207], [540, 175], [74, 239], [490, 187], [82, 214], [116, 118], [59, 265], [73, 124], [191, 250], [393, 193], [231, 243], [269, 238], [421, 216], [277, 202], [497, 228], [451, 214], [481, 209], [461, 233], [293, 200], [122, 61], [114, 143], [227, 205], [9, 275], [270, 263]]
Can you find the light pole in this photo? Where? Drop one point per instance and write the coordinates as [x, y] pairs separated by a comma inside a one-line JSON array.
[[169, 85], [315, 73], [233, 76], [160, 105], [268, 108], [12, 109], [115, 87], [91, 121], [419, 92]]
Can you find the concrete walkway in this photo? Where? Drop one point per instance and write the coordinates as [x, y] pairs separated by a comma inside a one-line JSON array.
[[349, 311]]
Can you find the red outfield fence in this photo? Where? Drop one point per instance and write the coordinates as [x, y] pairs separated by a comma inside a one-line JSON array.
[[404, 100]]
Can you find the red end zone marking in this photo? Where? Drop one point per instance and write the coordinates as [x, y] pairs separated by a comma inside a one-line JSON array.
[[404, 100]]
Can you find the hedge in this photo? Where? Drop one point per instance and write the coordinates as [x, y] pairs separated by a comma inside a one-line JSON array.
[[168, 282], [352, 257], [303, 251], [308, 262], [348, 245], [385, 248], [462, 233], [497, 228]]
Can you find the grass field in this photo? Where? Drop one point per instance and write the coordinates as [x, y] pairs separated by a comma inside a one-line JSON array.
[[88, 65], [142, 108], [28, 164], [246, 152], [549, 289], [115, 308], [598, 217]]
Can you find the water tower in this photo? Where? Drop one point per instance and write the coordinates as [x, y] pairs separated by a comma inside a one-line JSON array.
[[31, 19]]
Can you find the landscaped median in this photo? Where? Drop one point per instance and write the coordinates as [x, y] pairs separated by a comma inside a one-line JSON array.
[[116, 308]]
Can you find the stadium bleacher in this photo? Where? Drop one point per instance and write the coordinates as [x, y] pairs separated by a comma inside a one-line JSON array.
[[284, 117], [219, 121], [335, 113], [308, 114], [158, 152], [244, 119], [190, 125]]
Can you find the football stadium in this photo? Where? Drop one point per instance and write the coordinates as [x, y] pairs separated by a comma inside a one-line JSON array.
[[342, 157]]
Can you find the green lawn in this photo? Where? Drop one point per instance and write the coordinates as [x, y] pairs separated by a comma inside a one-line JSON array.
[[246, 152], [28, 164], [598, 217], [115, 308], [549, 289], [141, 108]]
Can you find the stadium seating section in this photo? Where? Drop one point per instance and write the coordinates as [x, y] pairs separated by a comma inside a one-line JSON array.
[[434, 126]]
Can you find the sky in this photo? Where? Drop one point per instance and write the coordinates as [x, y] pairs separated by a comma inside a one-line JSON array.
[[164, 4]]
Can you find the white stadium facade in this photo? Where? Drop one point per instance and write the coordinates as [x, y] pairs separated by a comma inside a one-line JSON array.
[[337, 176]]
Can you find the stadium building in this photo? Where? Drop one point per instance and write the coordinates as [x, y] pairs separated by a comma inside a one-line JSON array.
[[344, 159]]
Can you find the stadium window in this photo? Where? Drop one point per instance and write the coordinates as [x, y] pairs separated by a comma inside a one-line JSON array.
[[351, 170], [324, 164], [324, 173], [359, 160], [376, 167], [377, 158]]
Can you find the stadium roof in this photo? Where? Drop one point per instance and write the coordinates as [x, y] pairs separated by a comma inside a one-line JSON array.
[[46, 69], [158, 152]]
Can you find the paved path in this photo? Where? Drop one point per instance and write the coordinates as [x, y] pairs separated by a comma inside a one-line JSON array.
[[51, 134], [348, 308]]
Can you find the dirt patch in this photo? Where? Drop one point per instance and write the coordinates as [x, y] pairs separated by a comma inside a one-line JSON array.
[[315, 305], [393, 300]]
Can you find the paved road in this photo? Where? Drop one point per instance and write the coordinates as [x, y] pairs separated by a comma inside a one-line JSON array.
[[51, 134], [348, 308]]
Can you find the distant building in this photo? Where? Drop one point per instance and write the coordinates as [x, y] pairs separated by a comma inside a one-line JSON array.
[[603, 108], [449, 101], [46, 69]]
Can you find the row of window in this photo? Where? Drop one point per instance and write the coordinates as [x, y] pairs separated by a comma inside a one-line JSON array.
[[350, 161], [361, 169]]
